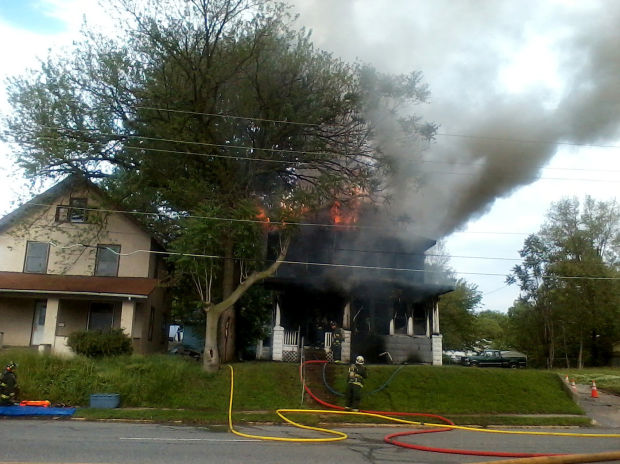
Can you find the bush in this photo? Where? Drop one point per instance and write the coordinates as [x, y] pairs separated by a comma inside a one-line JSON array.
[[97, 344]]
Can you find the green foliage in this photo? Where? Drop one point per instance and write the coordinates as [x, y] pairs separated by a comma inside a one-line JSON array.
[[494, 326], [570, 300], [98, 343], [254, 316], [458, 319]]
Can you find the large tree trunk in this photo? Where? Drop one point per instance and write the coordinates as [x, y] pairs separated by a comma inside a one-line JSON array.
[[211, 359], [211, 356], [226, 333]]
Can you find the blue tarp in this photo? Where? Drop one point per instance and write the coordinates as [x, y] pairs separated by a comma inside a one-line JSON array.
[[35, 411]]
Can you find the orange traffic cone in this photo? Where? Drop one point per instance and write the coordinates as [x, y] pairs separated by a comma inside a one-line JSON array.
[[594, 391], [572, 385], [566, 379]]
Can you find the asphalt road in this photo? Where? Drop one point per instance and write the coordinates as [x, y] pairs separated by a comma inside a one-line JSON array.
[[72, 441]]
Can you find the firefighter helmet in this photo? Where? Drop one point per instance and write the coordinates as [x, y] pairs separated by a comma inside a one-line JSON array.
[[359, 360]]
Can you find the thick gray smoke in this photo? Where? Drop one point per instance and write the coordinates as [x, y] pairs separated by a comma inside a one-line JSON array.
[[498, 126]]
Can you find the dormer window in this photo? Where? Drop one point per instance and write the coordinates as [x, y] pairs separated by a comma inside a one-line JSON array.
[[75, 212], [77, 209]]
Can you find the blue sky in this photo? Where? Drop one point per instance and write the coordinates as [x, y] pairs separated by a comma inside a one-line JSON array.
[[31, 15]]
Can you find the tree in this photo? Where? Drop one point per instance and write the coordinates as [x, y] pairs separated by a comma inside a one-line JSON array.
[[569, 280], [458, 318], [210, 115], [493, 326]]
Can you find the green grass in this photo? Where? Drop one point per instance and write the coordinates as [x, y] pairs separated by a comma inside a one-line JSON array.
[[168, 389]]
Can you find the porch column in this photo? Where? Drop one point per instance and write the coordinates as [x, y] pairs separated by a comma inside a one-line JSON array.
[[437, 349], [428, 314], [345, 353], [277, 337], [410, 326], [436, 317], [128, 311], [51, 319], [346, 316]]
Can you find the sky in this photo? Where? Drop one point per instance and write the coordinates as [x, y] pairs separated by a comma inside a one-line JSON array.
[[526, 95]]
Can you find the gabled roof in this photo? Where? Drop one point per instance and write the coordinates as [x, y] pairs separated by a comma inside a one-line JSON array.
[[19, 282], [71, 182]]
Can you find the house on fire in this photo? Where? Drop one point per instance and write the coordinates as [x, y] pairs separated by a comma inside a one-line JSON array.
[[371, 281], [68, 262]]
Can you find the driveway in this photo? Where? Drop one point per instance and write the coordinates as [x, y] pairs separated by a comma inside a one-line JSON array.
[[604, 410]]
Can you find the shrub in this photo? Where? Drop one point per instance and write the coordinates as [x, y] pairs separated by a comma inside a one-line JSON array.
[[97, 344]]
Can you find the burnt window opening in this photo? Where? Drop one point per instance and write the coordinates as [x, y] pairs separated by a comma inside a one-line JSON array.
[[106, 263], [400, 316], [37, 255], [419, 320]]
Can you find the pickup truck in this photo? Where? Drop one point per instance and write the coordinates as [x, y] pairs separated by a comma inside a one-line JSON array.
[[495, 358]]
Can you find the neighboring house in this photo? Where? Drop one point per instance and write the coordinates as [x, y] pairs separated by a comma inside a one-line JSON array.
[[69, 262], [371, 281]]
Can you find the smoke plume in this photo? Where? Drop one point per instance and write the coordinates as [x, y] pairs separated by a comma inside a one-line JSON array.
[[501, 119]]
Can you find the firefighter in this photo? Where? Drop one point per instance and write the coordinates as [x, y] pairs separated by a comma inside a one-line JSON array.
[[337, 339], [355, 382], [8, 385]]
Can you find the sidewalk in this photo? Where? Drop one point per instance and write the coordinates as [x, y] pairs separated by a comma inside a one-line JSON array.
[[604, 410]]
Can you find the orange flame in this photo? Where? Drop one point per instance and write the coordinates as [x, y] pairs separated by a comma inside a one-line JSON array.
[[341, 216], [262, 216]]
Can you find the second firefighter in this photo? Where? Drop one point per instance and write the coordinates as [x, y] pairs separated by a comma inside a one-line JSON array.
[[355, 382]]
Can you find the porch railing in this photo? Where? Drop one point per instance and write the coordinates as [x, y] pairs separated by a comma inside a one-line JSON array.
[[291, 338], [290, 347]]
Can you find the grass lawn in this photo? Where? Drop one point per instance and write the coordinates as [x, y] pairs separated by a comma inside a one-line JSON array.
[[163, 388]]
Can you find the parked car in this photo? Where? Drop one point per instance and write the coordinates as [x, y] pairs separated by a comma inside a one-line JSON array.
[[495, 358]]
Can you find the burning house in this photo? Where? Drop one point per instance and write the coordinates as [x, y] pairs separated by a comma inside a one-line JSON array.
[[370, 280]]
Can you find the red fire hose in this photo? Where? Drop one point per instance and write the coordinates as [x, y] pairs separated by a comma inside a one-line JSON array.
[[391, 437]]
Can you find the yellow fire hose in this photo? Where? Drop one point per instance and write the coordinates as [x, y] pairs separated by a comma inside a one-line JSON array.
[[338, 436]]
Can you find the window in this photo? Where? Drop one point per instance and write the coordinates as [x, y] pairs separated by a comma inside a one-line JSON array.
[[36, 257], [107, 260], [101, 316], [75, 212], [77, 209]]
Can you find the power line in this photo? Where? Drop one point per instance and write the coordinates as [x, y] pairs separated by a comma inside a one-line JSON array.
[[332, 265], [442, 134], [514, 140], [186, 142], [228, 116], [261, 221], [354, 157], [214, 218]]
